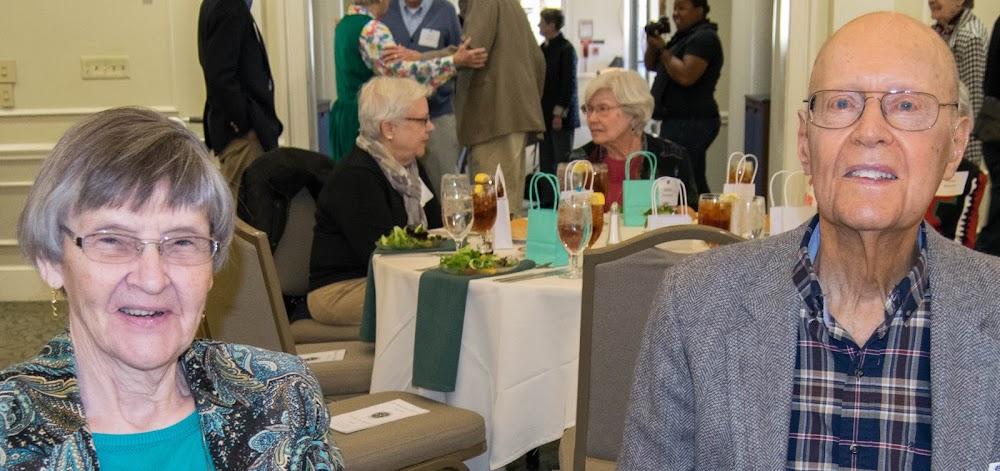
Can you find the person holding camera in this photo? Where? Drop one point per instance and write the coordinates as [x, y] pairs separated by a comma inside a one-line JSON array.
[[687, 70]]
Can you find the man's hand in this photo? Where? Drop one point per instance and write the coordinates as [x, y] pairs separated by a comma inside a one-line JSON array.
[[557, 123], [655, 42], [470, 58], [397, 53]]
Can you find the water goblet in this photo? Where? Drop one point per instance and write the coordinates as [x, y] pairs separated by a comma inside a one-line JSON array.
[[456, 206], [574, 222]]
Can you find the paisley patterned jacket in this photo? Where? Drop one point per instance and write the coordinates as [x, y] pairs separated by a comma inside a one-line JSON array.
[[259, 410]]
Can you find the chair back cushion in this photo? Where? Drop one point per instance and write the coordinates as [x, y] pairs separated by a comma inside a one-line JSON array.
[[291, 257], [244, 305]]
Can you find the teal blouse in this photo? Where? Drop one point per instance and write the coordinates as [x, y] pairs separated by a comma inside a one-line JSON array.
[[178, 447]]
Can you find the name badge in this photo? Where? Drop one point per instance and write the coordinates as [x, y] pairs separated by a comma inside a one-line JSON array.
[[429, 37], [994, 467], [953, 186]]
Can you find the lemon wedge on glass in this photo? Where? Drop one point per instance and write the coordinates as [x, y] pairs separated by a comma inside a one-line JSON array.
[[482, 178]]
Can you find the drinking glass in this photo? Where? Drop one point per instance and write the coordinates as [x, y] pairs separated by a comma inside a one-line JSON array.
[[575, 225], [596, 218], [753, 219], [484, 209], [456, 206], [714, 211]]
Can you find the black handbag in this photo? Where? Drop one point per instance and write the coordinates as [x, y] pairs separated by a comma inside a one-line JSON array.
[[987, 127]]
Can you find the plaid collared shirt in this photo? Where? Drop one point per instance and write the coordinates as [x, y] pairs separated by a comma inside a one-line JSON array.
[[867, 407]]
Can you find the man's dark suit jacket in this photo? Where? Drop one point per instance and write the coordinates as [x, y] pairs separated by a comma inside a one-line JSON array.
[[240, 91]]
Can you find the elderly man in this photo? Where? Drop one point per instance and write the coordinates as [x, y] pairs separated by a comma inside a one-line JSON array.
[[862, 340]]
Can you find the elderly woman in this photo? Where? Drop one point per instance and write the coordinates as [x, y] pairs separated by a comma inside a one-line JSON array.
[[378, 185], [618, 106], [363, 48], [129, 217], [967, 37]]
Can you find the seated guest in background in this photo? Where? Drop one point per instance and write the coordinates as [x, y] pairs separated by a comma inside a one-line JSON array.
[[129, 217], [956, 216], [860, 340], [618, 107], [378, 185]]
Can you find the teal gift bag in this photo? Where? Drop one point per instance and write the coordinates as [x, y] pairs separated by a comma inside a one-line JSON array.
[[543, 245], [635, 193]]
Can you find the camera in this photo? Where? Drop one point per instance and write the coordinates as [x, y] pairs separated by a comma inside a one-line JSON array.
[[658, 27]]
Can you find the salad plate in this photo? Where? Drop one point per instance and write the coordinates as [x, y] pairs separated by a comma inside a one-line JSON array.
[[471, 262], [409, 238]]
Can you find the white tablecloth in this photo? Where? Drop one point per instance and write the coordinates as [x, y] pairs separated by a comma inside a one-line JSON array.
[[518, 361]]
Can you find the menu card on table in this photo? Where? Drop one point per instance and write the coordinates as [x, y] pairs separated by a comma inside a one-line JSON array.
[[371, 416]]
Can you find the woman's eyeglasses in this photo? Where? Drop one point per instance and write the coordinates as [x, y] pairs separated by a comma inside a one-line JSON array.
[[599, 109], [422, 121], [108, 247]]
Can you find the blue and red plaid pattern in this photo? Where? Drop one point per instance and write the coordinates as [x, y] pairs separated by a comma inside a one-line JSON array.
[[869, 407]]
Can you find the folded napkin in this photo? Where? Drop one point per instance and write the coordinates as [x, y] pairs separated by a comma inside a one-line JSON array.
[[368, 311], [440, 319]]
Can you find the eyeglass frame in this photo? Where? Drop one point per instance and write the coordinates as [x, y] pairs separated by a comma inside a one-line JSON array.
[[422, 121], [587, 109], [864, 93], [141, 245]]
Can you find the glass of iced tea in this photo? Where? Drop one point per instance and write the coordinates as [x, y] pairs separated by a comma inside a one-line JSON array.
[[597, 217], [575, 225], [714, 211], [484, 211]]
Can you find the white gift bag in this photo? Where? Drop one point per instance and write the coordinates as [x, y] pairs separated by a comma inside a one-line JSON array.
[[784, 217], [501, 228], [585, 187], [746, 190], [680, 215]]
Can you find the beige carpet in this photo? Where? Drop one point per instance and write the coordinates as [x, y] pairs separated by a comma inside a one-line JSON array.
[[25, 327]]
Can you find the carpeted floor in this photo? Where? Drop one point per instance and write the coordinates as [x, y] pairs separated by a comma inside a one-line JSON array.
[[25, 327]]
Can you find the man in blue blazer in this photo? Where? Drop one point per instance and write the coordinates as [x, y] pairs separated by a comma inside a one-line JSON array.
[[240, 121], [861, 340]]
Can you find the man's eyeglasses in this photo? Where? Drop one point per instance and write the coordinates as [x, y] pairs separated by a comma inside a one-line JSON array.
[[422, 121], [599, 109], [903, 110], [108, 247]]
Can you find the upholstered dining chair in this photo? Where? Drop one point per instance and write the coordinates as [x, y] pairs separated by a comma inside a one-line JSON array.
[[245, 306], [619, 287]]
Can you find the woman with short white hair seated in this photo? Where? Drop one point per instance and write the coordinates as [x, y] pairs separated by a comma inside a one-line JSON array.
[[618, 106], [377, 186]]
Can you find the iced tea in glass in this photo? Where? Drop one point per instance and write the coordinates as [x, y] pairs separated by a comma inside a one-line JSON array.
[[714, 211]]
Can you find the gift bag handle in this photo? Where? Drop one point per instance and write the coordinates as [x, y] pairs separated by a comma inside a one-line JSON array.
[[571, 166], [650, 157], [654, 194], [740, 167], [533, 199], [770, 186]]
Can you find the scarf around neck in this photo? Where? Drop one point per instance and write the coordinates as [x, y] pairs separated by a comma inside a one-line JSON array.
[[405, 180]]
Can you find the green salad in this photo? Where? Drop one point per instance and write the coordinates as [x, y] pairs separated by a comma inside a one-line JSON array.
[[408, 238], [661, 209], [471, 261]]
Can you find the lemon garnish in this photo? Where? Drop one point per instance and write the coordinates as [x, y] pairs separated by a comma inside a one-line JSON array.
[[479, 187], [730, 198], [597, 199], [482, 178], [581, 166]]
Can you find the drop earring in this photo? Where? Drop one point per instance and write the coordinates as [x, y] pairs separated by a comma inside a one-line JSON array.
[[55, 311]]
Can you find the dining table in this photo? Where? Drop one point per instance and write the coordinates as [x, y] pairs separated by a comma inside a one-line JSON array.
[[518, 357]]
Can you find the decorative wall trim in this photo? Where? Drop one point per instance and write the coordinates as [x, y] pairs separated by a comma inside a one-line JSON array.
[[23, 184], [20, 150], [84, 111]]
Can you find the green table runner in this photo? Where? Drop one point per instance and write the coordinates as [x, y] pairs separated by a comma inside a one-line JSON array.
[[368, 311], [440, 319]]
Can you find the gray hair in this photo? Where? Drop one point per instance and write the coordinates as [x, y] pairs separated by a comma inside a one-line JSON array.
[[386, 99], [118, 158], [365, 3], [631, 91], [964, 103]]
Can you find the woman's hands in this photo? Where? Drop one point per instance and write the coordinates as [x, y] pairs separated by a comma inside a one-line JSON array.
[[470, 58], [396, 53]]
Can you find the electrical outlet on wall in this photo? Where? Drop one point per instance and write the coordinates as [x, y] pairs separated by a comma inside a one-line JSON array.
[[8, 71], [104, 67], [6, 95]]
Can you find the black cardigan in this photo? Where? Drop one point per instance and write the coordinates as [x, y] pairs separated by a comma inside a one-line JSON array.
[[356, 206]]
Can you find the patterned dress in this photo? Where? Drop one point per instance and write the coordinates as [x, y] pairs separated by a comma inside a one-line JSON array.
[[358, 44], [967, 38], [259, 410]]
